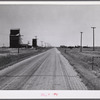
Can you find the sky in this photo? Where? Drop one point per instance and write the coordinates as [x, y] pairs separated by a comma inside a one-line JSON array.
[[53, 24]]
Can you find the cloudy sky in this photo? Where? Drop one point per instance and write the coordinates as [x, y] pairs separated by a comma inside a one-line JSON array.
[[54, 24]]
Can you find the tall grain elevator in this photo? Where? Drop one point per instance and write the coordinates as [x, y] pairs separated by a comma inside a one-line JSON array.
[[15, 38], [34, 43]]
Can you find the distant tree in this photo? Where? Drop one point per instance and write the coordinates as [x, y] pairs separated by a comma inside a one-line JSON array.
[[71, 47], [77, 46], [85, 47], [63, 46]]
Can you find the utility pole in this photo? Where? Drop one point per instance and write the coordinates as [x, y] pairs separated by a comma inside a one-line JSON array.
[[93, 39], [45, 44], [18, 43], [3, 45], [41, 43], [81, 42], [35, 37]]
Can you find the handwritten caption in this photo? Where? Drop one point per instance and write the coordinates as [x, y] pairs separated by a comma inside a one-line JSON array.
[[49, 94]]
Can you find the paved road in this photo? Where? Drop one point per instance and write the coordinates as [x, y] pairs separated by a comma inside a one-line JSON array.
[[46, 71]]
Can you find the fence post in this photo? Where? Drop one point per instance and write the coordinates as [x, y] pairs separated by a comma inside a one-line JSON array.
[[92, 62], [65, 50]]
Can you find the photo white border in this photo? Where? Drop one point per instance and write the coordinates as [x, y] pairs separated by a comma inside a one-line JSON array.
[[50, 2], [38, 94]]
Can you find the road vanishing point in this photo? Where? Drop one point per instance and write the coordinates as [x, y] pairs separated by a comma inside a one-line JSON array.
[[46, 71]]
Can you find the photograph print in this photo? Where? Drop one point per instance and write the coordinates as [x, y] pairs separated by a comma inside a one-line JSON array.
[[49, 47]]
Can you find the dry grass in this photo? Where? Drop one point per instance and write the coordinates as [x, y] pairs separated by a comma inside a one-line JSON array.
[[86, 56]]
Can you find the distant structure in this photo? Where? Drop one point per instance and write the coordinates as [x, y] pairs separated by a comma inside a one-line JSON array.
[[15, 38], [34, 43], [25, 46]]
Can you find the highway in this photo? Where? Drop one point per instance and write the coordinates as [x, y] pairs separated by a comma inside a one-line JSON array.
[[46, 71]]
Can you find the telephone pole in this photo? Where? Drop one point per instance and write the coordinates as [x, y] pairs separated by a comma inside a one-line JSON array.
[[41, 43], [45, 44], [81, 42], [93, 39], [35, 37]]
